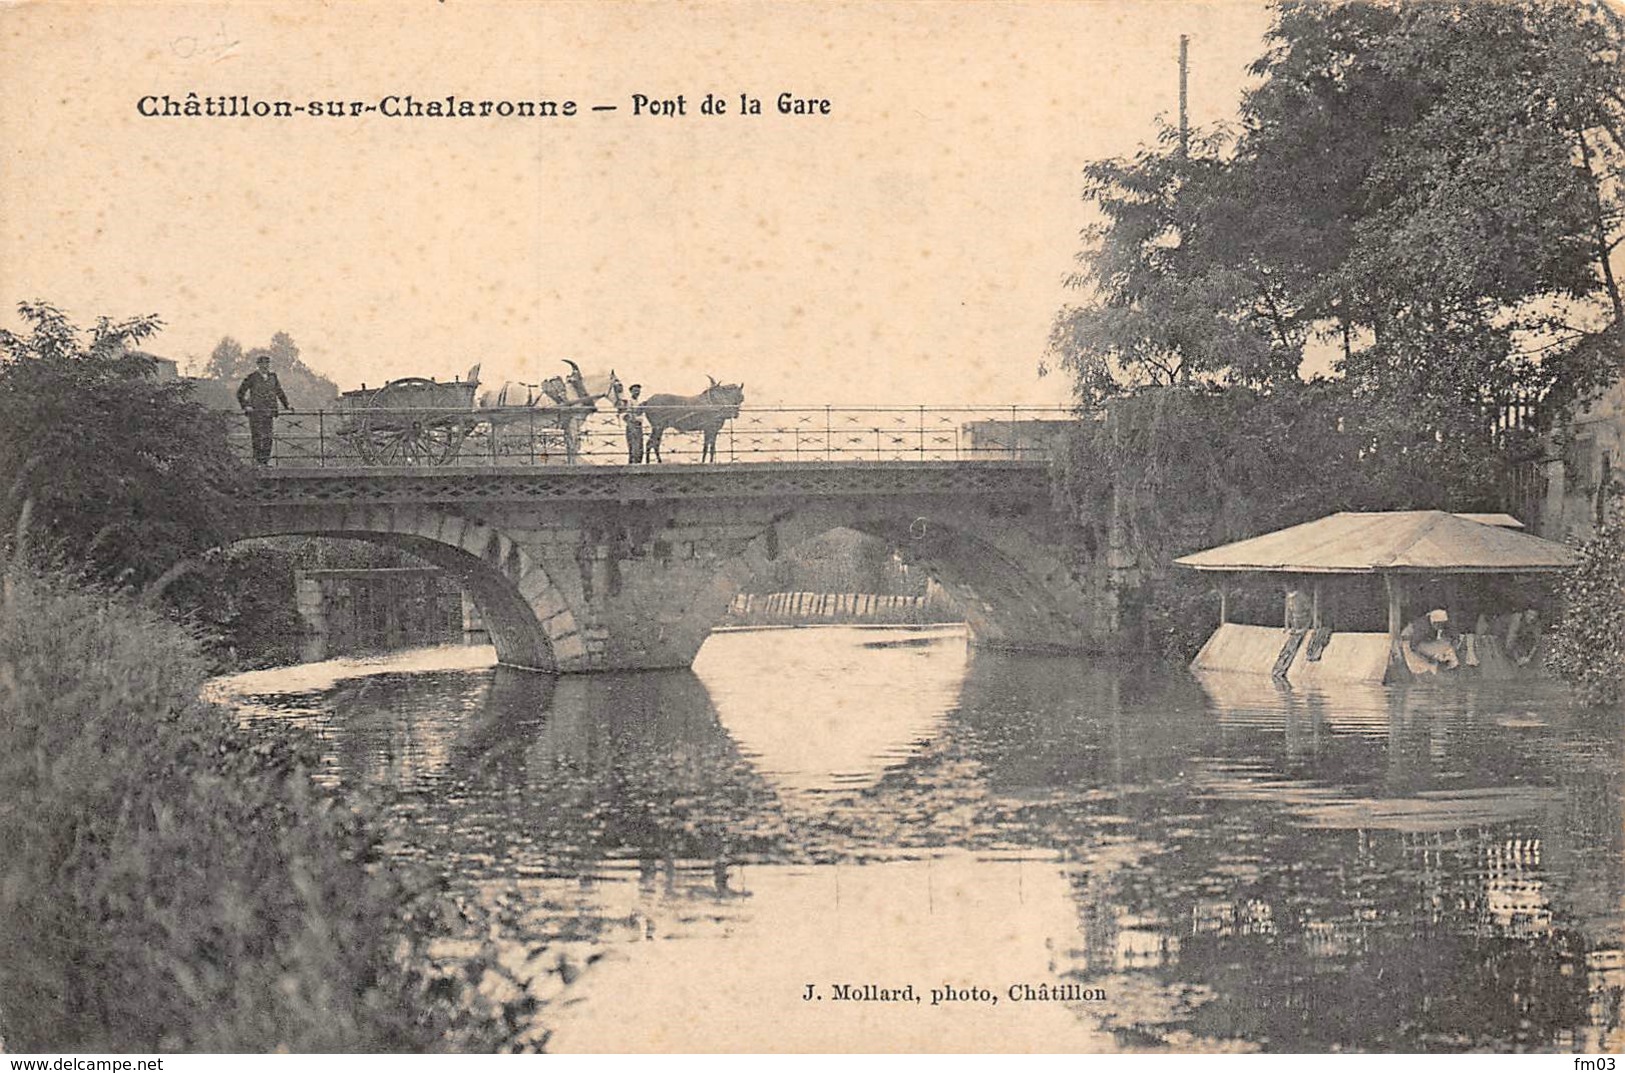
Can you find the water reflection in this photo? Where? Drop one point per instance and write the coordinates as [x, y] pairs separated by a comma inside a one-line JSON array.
[[807, 713], [1237, 866]]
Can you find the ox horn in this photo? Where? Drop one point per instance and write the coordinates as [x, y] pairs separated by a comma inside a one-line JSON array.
[[711, 378], [571, 364]]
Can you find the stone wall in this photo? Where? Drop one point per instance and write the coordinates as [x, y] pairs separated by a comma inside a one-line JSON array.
[[378, 609], [1589, 460]]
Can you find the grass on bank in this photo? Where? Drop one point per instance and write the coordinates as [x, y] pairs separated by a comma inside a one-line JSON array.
[[171, 881]]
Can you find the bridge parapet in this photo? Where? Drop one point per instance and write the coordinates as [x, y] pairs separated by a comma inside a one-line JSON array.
[[516, 438], [791, 481]]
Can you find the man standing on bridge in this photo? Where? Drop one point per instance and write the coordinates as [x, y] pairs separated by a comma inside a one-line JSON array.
[[632, 414], [258, 395]]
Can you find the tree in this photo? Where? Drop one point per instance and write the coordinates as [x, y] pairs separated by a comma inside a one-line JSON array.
[[1437, 187], [227, 361], [1435, 190], [1588, 645], [1430, 195], [119, 473], [1456, 167], [1168, 306]]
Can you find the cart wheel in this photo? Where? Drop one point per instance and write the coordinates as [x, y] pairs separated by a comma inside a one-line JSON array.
[[412, 442], [398, 429], [360, 439]]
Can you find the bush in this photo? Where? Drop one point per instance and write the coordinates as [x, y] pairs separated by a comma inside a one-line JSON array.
[[1588, 645], [169, 881], [241, 600], [124, 474]]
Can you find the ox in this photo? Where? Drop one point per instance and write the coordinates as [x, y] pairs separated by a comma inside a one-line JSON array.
[[705, 413]]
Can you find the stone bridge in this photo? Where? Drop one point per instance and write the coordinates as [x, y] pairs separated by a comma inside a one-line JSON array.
[[579, 569]]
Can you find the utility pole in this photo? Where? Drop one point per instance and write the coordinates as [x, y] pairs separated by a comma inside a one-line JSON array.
[[1184, 122]]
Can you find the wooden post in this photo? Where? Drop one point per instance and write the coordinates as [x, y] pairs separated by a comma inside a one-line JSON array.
[[1398, 670], [1224, 603], [1314, 611]]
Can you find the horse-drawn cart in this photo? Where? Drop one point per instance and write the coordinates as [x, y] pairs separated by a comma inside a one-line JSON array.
[[424, 422], [409, 422]]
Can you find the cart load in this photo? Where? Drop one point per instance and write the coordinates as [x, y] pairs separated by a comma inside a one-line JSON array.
[[425, 422]]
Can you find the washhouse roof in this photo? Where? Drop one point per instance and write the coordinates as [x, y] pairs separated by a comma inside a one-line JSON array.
[[1366, 542]]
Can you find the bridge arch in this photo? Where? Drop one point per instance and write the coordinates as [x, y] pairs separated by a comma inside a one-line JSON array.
[[1015, 590], [528, 618]]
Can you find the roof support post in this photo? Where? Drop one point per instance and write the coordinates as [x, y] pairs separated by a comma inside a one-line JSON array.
[[1398, 670]]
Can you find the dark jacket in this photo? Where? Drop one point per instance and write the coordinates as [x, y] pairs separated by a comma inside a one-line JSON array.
[[260, 392]]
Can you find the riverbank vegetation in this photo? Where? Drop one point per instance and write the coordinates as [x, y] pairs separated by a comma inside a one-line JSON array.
[[129, 478], [1383, 287], [172, 881], [124, 474], [1588, 646]]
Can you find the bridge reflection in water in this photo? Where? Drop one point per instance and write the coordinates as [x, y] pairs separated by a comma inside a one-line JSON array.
[[1235, 866]]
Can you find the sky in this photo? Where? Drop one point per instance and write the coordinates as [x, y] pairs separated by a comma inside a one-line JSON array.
[[910, 247]]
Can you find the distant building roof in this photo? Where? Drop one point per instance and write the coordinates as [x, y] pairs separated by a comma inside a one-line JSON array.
[[1415, 541], [162, 368]]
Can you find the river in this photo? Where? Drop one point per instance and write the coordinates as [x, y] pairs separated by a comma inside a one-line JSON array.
[[1063, 853]]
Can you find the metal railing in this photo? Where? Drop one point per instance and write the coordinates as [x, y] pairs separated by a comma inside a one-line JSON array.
[[506, 438]]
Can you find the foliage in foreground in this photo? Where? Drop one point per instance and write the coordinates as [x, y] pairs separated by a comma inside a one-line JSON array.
[[1588, 645], [169, 881], [241, 601], [129, 479], [126, 473]]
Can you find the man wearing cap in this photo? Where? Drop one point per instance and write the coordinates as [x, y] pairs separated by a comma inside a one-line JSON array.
[[259, 396], [632, 414]]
